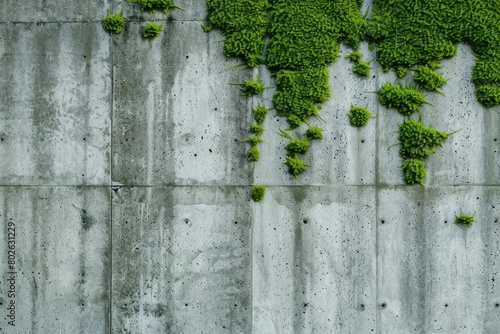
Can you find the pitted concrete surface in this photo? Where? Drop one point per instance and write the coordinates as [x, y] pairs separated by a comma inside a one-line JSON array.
[[124, 173]]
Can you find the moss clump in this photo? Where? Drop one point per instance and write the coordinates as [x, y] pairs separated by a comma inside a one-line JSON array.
[[257, 129], [259, 114], [156, 5], [414, 170], [254, 139], [253, 154], [152, 29], [251, 87], [417, 143], [406, 100], [361, 68], [297, 146], [257, 193], [244, 23], [464, 220], [359, 116], [295, 165], [428, 79], [314, 132], [114, 22]]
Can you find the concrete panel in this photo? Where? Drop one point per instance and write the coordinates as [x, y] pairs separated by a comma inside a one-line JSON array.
[[195, 10], [346, 156], [314, 260], [62, 265], [470, 156], [435, 276], [181, 260], [53, 10], [177, 120], [55, 104]]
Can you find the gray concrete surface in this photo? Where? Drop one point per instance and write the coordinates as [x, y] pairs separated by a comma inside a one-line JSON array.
[[123, 170]]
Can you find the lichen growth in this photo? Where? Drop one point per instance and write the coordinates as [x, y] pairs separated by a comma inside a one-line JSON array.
[[253, 154], [152, 29], [114, 22], [314, 132], [359, 116], [257, 193], [406, 99], [156, 5], [463, 219]]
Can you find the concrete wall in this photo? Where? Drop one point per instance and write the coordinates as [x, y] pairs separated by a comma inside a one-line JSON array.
[[123, 172]]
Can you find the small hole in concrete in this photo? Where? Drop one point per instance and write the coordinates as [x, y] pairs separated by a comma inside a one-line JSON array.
[[495, 139], [305, 221], [446, 222], [496, 220], [362, 141], [497, 305], [187, 57], [382, 221], [186, 221], [210, 150], [186, 304], [383, 305], [445, 305]]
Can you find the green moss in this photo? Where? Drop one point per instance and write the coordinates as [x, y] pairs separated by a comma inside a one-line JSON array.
[[257, 129], [360, 67], [152, 29], [406, 100], [259, 114], [428, 79], [295, 165], [253, 154], [257, 193], [414, 170], [252, 87], [244, 23], [412, 33], [114, 22], [314, 132], [417, 143], [297, 146], [254, 140], [156, 5], [359, 116], [464, 220]]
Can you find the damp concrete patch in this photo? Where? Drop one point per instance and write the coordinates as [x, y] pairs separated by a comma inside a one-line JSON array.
[[177, 120], [61, 266], [181, 260], [55, 104]]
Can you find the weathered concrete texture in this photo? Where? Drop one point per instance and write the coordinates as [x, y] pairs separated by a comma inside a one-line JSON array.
[[177, 120], [470, 156], [181, 260], [346, 156], [62, 269], [195, 10], [53, 10], [314, 267], [435, 276], [55, 104]]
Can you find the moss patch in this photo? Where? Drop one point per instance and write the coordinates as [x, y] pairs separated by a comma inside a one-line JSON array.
[[359, 116], [464, 220], [411, 33], [156, 5], [152, 29], [257, 193], [406, 99], [114, 22]]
